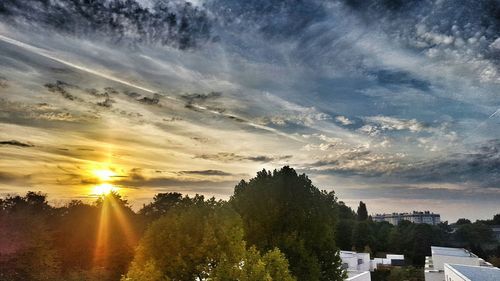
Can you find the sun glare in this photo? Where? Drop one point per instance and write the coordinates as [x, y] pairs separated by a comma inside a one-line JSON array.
[[103, 189], [104, 175]]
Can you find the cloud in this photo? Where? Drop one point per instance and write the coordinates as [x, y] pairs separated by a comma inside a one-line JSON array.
[[61, 88], [3, 83], [150, 100], [16, 143], [232, 157], [172, 23], [206, 173], [477, 168], [344, 120], [392, 123], [138, 181]]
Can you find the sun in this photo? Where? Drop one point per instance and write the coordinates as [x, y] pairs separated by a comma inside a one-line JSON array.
[[103, 189], [104, 175]]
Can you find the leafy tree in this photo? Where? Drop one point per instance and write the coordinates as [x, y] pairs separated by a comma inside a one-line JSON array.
[[496, 219], [28, 253], [463, 221], [361, 235], [474, 235], [163, 202], [345, 212], [362, 212], [343, 234], [202, 242], [285, 210]]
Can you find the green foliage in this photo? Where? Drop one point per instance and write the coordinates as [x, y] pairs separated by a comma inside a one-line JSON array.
[[285, 210], [473, 234], [362, 213], [361, 235], [202, 241], [409, 273], [343, 234]]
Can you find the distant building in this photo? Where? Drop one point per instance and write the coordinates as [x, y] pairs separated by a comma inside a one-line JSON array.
[[456, 272], [357, 265], [443, 256], [414, 217], [496, 232], [390, 260]]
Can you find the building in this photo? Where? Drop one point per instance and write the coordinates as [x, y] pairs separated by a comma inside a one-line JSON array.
[[442, 256], [359, 276], [496, 232], [414, 217], [357, 265], [456, 272], [390, 260]]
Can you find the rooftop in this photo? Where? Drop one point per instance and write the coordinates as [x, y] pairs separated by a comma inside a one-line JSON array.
[[476, 273], [455, 252]]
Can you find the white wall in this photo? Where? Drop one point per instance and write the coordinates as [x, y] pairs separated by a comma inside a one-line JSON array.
[[351, 258], [438, 261], [365, 276], [434, 276]]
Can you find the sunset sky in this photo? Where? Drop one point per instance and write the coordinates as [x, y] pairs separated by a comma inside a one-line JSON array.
[[397, 105]]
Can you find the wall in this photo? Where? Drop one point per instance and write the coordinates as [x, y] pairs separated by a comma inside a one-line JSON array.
[[439, 261], [434, 276], [365, 276]]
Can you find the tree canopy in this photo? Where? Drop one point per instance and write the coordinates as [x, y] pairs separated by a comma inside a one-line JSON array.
[[284, 210]]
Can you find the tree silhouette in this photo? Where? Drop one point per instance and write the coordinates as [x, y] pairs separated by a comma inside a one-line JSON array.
[[362, 212]]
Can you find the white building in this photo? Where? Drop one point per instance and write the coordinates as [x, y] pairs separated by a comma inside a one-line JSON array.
[[414, 217], [456, 272], [357, 265], [435, 265], [359, 276], [389, 260]]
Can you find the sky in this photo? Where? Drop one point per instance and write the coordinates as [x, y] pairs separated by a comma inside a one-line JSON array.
[[395, 103]]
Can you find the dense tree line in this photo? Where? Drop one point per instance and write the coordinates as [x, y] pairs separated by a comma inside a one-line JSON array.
[[276, 226]]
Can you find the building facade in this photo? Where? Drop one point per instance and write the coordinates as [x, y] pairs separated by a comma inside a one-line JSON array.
[[414, 217], [443, 256], [456, 272], [357, 265]]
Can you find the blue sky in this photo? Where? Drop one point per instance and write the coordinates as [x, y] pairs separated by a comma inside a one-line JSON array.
[[391, 102]]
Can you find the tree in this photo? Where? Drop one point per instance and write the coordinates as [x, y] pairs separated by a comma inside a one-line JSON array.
[[28, 253], [202, 242], [362, 212], [474, 235], [463, 221], [361, 235], [284, 210], [343, 234]]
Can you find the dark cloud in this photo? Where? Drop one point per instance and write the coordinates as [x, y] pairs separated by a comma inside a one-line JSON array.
[[206, 173], [61, 88], [231, 157], [274, 18], [150, 100], [16, 143], [136, 180], [391, 77], [10, 177], [479, 167], [199, 98], [173, 23], [3, 83], [106, 103]]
